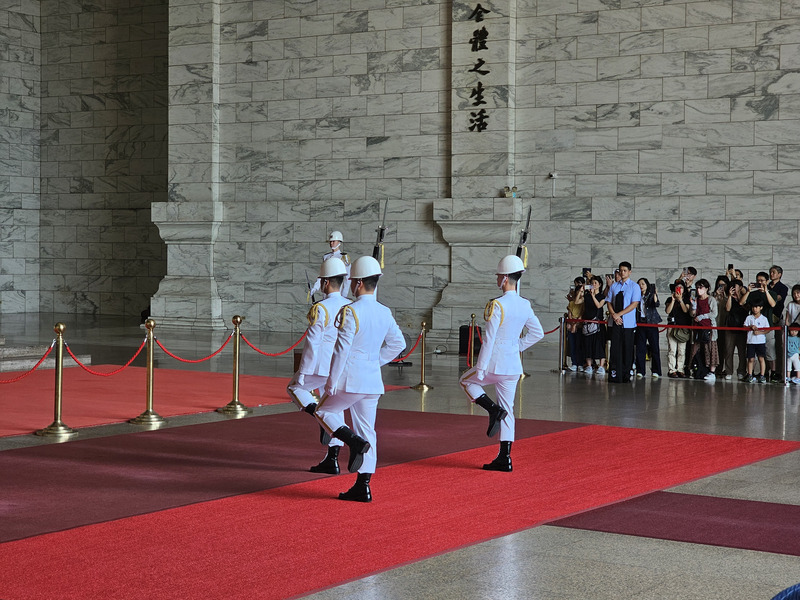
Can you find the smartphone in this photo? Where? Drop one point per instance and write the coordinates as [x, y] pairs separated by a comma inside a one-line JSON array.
[[609, 275], [679, 290], [588, 288], [730, 266], [586, 270]]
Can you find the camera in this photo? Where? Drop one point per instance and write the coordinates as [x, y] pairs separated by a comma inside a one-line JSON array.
[[652, 288]]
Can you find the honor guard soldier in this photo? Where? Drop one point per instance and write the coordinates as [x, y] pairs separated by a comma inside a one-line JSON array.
[[316, 358], [368, 339], [499, 360], [335, 240]]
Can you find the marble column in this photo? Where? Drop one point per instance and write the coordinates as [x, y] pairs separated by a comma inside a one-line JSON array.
[[480, 232], [190, 220], [483, 74]]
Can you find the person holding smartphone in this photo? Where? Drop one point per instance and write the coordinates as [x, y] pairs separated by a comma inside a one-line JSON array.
[[622, 300], [759, 291], [646, 338]]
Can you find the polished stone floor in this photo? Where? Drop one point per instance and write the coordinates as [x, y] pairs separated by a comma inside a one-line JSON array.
[[546, 562]]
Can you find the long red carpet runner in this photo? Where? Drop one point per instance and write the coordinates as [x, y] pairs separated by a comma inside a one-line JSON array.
[[269, 544]]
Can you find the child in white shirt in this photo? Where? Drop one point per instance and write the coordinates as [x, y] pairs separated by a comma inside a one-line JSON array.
[[756, 342]]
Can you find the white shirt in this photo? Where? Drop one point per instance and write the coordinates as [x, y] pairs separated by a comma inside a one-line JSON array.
[[368, 339]]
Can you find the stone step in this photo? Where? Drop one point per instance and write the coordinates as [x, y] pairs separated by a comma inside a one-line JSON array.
[[24, 358]]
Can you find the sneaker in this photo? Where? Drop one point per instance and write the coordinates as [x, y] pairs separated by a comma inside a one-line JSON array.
[[774, 377], [743, 377], [796, 381], [728, 377], [748, 379], [580, 369], [656, 375], [573, 368], [639, 375], [588, 370], [601, 371], [710, 377], [762, 379]]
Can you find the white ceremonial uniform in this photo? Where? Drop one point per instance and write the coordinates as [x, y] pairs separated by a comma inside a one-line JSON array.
[[346, 283], [315, 361], [499, 361], [368, 339]]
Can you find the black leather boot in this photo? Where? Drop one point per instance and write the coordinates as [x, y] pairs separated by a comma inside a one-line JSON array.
[[358, 447], [324, 436], [496, 414], [360, 491], [503, 460], [329, 464]]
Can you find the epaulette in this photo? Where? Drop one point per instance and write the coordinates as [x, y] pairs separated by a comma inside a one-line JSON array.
[[340, 318], [488, 312], [345, 260], [313, 313]]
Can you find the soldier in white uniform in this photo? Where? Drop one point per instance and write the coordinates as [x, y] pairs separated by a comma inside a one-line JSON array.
[[499, 361], [335, 240], [368, 339], [316, 358]]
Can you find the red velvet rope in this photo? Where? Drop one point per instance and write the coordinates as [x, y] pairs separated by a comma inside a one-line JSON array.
[[664, 327], [36, 366], [199, 359], [302, 337], [98, 373], [410, 352]]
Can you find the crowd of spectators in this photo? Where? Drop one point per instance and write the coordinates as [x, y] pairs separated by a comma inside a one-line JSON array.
[[615, 324]]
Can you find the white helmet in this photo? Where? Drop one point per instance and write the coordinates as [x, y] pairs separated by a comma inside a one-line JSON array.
[[365, 266], [335, 236], [333, 267], [510, 264]]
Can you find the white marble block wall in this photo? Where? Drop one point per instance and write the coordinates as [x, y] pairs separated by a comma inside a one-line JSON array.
[[103, 155], [20, 74]]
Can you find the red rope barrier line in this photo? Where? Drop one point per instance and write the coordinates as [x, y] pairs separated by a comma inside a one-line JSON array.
[[199, 360], [302, 337], [36, 366], [670, 326], [410, 352], [98, 373]]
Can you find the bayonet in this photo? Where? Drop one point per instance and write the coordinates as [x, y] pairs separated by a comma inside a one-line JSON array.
[[523, 236]]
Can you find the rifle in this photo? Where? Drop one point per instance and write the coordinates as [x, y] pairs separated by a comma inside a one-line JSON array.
[[309, 295], [522, 251], [377, 251]]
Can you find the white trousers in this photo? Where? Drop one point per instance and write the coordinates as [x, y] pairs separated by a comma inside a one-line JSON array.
[[506, 388], [302, 395], [793, 364], [362, 411]]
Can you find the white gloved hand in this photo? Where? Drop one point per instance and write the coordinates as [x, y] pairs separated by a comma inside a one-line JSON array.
[[300, 379], [480, 374]]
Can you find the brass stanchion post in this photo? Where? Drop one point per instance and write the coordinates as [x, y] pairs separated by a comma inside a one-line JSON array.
[[57, 428], [149, 417], [562, 345], [422, 385], [234, 407]]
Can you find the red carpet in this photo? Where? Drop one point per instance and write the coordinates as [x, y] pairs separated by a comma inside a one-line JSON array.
[[127, 475], [87, 399], [27, 405], [269, 544], [762, 526]]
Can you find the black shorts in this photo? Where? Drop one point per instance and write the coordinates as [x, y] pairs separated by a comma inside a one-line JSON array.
[[754, 350]]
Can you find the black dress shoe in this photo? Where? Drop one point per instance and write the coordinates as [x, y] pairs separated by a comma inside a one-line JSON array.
[[358, 447], [329, 464], [503, 460], [496, 414], [360, 491]]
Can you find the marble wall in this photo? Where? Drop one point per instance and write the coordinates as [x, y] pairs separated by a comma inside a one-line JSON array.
[[103, 154], [255, 128], [20, 74]]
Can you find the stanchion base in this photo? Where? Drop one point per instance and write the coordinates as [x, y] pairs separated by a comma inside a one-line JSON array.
[[422, 386], [56, 429], [149, 418], [235, 408]]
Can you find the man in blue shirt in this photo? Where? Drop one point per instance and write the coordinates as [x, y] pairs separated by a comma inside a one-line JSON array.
[[622, 299]]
